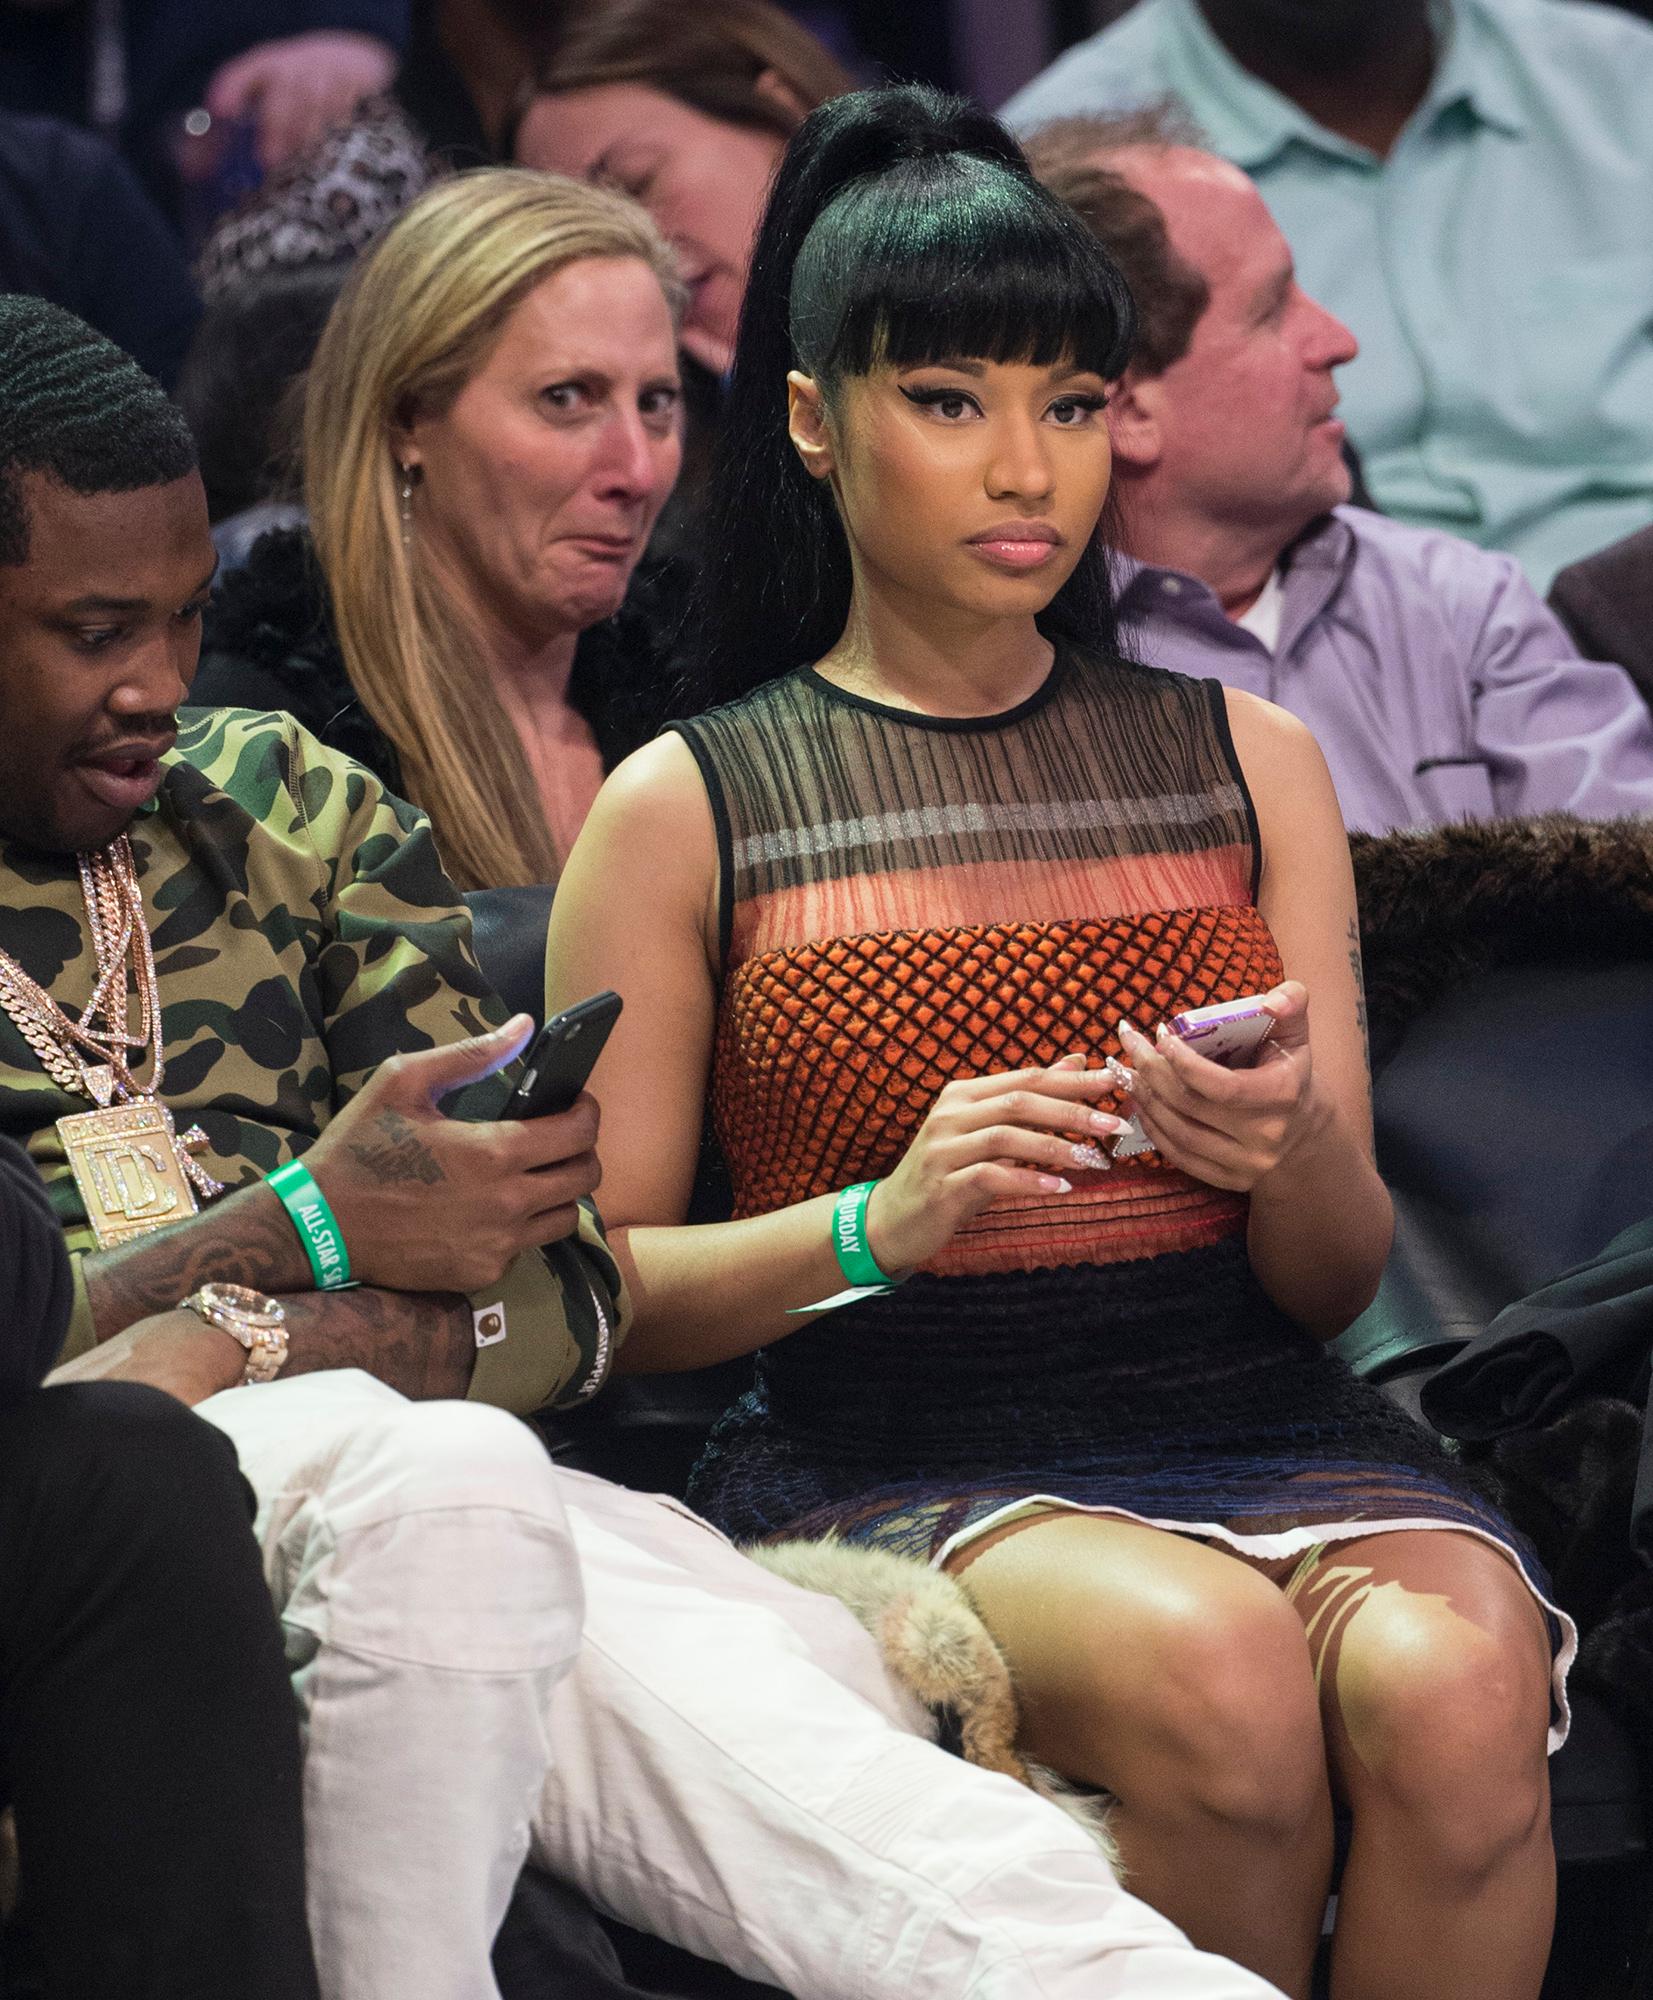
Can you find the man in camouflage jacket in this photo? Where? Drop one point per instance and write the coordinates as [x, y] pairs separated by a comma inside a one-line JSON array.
[[318, 997], [725, 1761]]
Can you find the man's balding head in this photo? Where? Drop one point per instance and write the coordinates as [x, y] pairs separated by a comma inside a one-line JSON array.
[[1224, 416], [1087, 163]]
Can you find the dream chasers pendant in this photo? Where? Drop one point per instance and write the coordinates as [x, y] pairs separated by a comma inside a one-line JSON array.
[[130, 1167]]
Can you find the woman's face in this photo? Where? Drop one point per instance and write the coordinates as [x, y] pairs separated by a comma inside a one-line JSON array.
[[965, 487], [539, 485], [702, 179]]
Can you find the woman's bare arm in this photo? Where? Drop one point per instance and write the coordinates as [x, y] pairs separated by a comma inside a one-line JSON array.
[[636, 909], [1321, 1221]]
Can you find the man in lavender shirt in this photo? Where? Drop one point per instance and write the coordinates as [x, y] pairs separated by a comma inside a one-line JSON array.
[[1436, 681]]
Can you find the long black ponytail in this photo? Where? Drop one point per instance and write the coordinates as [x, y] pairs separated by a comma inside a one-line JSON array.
[[904, 226]]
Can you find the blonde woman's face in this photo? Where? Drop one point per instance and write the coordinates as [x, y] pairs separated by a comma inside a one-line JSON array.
[[538, 487]]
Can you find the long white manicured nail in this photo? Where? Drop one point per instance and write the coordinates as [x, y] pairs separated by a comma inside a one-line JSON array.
[[1087, 1156]]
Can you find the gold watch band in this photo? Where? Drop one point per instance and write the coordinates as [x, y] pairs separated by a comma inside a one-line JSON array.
[[258, 1323]]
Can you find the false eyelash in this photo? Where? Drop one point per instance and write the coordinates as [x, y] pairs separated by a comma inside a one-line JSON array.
[[929, 396]]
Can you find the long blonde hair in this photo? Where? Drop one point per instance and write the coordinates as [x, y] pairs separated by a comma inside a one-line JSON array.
[[414, 322]]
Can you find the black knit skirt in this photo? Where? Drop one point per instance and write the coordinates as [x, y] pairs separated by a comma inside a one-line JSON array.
[[1169, 1389]]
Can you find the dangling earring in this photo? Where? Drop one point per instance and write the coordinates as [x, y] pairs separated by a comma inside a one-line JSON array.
[[404, 496]]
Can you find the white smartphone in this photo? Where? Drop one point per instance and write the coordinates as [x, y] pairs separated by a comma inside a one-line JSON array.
[[1229, 1033]]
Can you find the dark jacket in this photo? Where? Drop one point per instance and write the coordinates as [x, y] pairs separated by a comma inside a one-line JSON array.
[[269, 643], [173, 48], [1606, 603], [77, 228], [34, 1275]]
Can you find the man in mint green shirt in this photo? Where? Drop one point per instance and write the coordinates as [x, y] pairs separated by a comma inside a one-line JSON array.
[[1469, 185]]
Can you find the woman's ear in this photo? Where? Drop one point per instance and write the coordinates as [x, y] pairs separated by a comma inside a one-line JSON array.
[[775, 91], [404, 438], [806, 424], [1135, 412]]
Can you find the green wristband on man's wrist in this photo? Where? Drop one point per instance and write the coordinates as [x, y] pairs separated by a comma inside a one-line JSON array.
[[295, 1188]]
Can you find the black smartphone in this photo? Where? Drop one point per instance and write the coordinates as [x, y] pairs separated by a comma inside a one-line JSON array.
[[562, 1055]]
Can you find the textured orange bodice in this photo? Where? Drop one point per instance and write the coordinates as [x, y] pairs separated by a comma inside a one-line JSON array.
[[909, 900]]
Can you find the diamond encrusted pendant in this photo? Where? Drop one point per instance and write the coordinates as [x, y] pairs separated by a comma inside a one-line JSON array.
[[130, 1167]]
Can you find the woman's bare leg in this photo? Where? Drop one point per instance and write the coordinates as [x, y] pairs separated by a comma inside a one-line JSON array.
[[1434, 1666], [1179, 1679]]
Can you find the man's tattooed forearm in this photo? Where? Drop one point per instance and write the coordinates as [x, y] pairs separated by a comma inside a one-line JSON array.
[[391, 1150], [1356, 967], [244, 1239], [420, 1343]]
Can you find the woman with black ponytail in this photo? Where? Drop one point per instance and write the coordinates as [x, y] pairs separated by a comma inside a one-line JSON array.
[[914, 901]]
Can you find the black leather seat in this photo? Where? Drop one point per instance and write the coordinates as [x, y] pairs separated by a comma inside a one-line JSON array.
[[1515, 1132], [508, 935]]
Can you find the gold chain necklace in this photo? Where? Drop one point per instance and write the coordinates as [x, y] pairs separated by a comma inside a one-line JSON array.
[[133, 1169]]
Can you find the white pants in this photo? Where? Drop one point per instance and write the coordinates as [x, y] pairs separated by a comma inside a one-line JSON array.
[[427, 1585], [727, 1764]]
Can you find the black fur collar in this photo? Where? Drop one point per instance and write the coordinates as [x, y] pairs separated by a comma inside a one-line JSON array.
[[1440, 906]]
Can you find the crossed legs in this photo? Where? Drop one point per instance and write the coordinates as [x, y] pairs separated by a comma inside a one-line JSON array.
[[1227, 1705], [1433, 1662], [733, 1769]]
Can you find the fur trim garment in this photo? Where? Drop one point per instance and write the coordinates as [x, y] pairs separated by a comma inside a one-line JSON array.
[[936, 1645], [269, 643], [1440, 906]]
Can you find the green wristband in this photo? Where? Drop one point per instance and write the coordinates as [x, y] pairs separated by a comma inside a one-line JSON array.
[[317, 1226], [849, 1239]]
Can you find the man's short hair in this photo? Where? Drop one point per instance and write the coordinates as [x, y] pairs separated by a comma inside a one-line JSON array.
[[75, 406], [1070, 156]]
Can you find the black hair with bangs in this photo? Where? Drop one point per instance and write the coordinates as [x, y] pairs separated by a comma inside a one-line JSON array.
[[904, 227], [961, 264]]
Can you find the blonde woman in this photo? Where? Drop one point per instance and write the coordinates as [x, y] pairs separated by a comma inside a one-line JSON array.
[[491, 427]]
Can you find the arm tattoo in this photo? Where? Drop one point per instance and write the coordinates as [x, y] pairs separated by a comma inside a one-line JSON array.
[[420, 1343], [391, 1150], [1360, 990], [245, 1239]]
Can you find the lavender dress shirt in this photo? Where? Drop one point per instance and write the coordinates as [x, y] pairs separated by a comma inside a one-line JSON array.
[[1434, 678]]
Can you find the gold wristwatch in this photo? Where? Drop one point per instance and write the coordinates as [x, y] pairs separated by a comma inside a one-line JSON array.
[[257, 1321]]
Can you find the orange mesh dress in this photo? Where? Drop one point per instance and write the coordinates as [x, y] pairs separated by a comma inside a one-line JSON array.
[[907, 899]]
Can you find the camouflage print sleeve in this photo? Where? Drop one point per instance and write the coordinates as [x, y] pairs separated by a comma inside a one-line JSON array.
[[396, 972], [574, 1284]]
